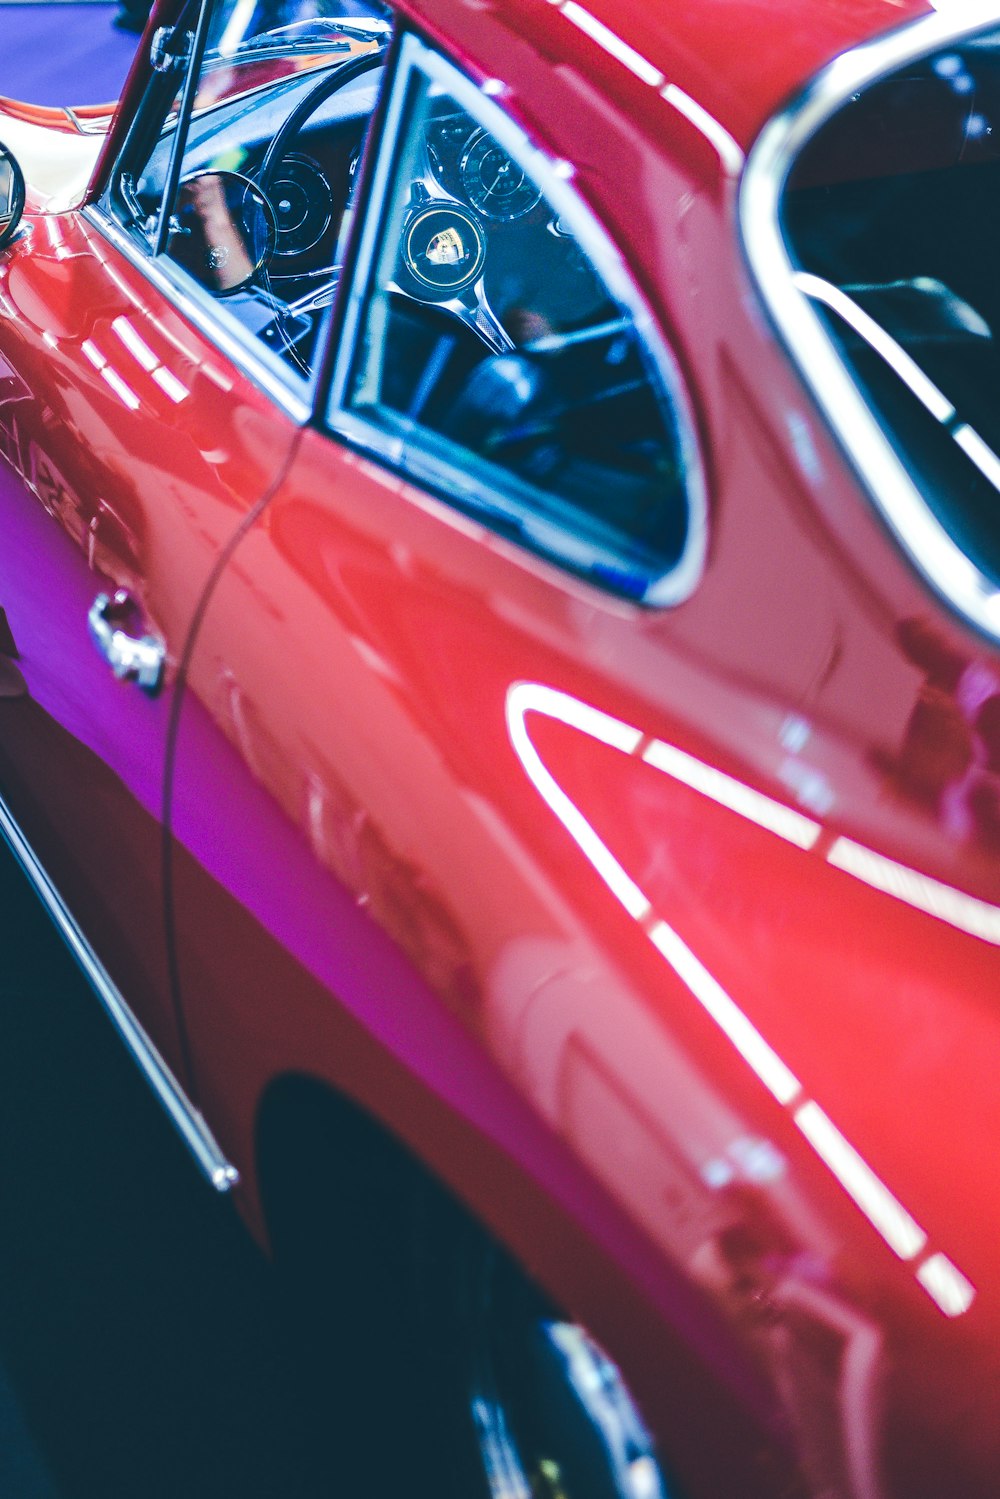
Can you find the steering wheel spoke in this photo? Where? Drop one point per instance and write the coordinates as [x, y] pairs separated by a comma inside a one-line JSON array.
[[324, 279]]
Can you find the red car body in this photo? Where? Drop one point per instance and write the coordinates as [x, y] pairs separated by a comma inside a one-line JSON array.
[[666, 938]]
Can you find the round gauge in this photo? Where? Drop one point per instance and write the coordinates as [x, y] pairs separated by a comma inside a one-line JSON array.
[[303, 204], [443, 249], [493, 181], [434, 160], [352, 177]]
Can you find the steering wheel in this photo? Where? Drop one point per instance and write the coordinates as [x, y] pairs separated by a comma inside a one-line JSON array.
[[442, 255], [288, 314], [467, 303], [339, 78]]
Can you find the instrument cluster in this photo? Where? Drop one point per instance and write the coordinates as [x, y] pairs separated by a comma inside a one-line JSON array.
[[476, 234], [302, 199], [468, 163]]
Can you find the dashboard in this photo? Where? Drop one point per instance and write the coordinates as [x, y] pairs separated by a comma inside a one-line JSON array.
[[471, 234]]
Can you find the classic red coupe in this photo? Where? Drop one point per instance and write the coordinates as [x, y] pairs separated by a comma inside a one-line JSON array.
[[500, 691]]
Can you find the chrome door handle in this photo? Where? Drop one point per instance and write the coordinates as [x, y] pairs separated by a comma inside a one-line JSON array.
[[136, 658]]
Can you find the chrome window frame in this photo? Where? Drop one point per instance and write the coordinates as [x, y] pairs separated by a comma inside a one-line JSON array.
[[293, 395], [292, 391], [553, 177], [897, 497]]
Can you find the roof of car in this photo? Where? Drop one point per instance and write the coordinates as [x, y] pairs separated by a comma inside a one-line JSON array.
[[738, 59]]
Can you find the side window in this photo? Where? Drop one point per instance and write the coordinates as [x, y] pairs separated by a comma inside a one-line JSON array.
[[240, 169], [486, 352], [888, 216]]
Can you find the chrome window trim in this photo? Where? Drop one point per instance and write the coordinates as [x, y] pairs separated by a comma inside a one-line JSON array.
[[296, 404], [554, 179], [900, 501], [182, 1113]]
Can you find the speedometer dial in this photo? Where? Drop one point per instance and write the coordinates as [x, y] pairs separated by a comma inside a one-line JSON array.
[[493, 181]]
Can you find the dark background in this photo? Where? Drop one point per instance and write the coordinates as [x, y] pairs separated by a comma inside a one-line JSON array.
[[143, 1347]]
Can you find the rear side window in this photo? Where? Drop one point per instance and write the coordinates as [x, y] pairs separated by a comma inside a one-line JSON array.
[[493, 359], [891, 219]]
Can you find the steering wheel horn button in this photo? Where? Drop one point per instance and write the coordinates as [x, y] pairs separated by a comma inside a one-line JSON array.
[[444, 249]]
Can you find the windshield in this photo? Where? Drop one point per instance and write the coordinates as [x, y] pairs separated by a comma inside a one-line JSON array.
[[261, 42]]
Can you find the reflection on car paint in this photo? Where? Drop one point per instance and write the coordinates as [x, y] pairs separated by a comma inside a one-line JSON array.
[[942, 1280], [729, 151]]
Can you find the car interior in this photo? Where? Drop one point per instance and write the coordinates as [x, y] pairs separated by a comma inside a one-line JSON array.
[[487, 329]]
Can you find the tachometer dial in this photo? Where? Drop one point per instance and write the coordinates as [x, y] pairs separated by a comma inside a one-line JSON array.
[[493, 181], [444, 249], [303, 204]]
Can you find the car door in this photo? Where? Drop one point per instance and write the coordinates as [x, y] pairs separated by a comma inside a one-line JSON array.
[[371, 910], [136, 447], [472, 827], [489, 806]]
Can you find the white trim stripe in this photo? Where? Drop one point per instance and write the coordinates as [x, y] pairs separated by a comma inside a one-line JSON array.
[[613, 44], [943, 1282], [729, 151], [726, 1013], [859, 1181], [977, 917], [980, 452], [736, 795], [883, 344], [521, 699], [946, 1285]]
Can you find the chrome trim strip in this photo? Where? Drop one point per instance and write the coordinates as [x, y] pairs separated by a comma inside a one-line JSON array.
[[906, 369], [297, 408], [186, 1119], [554, 178], [881, 343], [769, 164]]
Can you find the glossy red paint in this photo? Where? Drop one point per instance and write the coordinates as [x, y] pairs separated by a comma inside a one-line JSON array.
[[146, 451], [389, 748], [739, 61], [668, 939]]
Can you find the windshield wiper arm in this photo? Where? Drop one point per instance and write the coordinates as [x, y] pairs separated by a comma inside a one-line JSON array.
[[291, 39]]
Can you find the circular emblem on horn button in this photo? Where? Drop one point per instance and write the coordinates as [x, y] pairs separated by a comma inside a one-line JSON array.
[[444, 249]]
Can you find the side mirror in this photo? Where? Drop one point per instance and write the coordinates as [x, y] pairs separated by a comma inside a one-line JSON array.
[[12, 196], [223, 232]]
